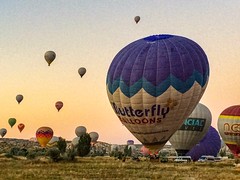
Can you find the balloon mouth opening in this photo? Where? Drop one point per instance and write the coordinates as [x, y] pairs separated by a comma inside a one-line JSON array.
[[158, 37]]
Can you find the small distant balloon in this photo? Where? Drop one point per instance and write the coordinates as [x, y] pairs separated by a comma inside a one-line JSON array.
[[75, 141], [137, 19], [81, 71], [21, 126], [19, 98], [94, 137], [80, 130], [130, 142], [53, 142], [12, 121], [49, 57], [44, 135], [3, 132], [59, 105]]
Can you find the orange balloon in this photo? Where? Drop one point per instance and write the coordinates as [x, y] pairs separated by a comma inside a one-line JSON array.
[[59, 105], [44, 135], [21, 126]]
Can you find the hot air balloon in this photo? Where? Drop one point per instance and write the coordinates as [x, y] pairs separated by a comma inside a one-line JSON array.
[[133, 149], [130, 142], [12, 121], [21, 126], [192, 130], [44, 135], [209, 145], [75, 141], [80, 130], [81, 71], [154, 83], [94, 137], [59, 105], [49, 57], [3, 132], [229, 128], [137, 19], [19, 98], [53, 141], [147, 152]]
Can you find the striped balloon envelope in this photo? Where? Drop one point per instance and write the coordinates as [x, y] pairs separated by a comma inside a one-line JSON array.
[[44, 135], [154, 83], [229, 128]]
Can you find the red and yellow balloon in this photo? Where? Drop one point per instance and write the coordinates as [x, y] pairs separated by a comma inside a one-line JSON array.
[[228, 127], [44, 135]]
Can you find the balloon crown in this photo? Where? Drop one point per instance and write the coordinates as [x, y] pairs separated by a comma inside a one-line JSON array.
[[158, 37]]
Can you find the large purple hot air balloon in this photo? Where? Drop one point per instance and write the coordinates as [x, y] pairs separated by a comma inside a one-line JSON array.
[[209, 145], [154, 83]]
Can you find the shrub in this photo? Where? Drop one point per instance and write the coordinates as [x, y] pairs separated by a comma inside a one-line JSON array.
[[31, 155], [14, 151], [54, 154], [71, 153]]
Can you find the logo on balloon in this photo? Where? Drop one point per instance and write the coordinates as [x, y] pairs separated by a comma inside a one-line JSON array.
[[130, 115], [232, 129], [193, 124]]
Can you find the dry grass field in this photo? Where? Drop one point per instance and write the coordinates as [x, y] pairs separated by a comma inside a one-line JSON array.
[[109, 168]]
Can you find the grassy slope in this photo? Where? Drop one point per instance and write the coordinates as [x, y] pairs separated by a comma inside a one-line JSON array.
[[106, 167]]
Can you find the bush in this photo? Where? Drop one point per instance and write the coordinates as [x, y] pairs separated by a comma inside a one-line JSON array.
[[70, 154], [31, 155], [54, 154], [15, 151]]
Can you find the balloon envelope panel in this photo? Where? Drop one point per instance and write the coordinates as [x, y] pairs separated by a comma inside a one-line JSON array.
[[154, 83], [229, 128], [209, 145], [193, 129]]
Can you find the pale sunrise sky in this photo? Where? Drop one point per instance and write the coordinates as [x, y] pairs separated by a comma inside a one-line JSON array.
[[89, 33]]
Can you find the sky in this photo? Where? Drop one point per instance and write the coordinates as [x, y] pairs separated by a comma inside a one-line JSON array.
[[89, 34]]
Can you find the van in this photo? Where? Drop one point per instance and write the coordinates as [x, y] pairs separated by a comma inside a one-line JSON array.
[[181, 159], [205, 158]]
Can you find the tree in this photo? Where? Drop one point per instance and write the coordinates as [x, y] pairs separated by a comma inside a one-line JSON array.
[[62, 145], [128, 151], [84, 145]]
